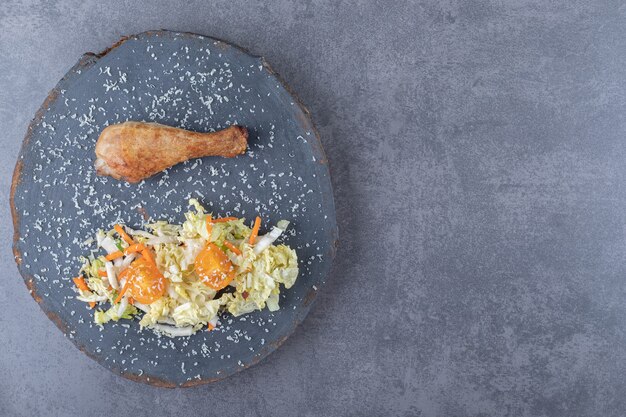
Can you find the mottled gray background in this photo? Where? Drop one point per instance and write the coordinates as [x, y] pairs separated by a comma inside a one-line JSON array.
[[477, 152]]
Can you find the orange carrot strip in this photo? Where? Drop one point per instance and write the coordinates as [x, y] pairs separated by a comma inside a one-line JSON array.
[[80, 283], [102, 273], [255, 230], [223, 220], [148, 255], [121, 294], [232, 247], [123, 234], [137, 247], [209, 226], [210, 327], [131, 301], [114, 255]]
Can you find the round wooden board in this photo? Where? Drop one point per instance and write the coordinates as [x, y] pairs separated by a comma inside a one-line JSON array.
[[198, 83]]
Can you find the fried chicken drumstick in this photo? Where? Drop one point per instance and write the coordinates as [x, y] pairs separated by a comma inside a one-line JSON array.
[[133, 151]]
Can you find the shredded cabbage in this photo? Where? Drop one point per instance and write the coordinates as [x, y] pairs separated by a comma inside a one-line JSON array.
[[102, 317], [188, 304]]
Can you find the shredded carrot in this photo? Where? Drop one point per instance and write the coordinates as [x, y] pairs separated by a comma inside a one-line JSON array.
[[81, 284], [114, 255], [209, 227], [137, 247], [224, 220], [232, 247], [120, 230], [210, 327], [131, 301], [102, 273], [255, 230], [122, 291], [148, 255]]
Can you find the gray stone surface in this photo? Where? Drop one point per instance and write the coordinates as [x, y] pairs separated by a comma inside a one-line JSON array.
[[477, 152]]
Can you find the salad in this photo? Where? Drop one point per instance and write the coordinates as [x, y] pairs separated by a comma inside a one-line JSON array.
[[179, 278]]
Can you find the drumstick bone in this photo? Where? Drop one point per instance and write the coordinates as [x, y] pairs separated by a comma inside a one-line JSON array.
[[133, 151]]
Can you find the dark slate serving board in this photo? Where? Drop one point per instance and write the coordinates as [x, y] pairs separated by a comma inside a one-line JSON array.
[[198, 83]]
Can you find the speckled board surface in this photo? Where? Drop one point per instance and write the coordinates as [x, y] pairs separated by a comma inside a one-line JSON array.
[[197, 83]]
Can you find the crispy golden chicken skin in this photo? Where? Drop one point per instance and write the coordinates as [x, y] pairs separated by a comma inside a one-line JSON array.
[[133, 151]]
